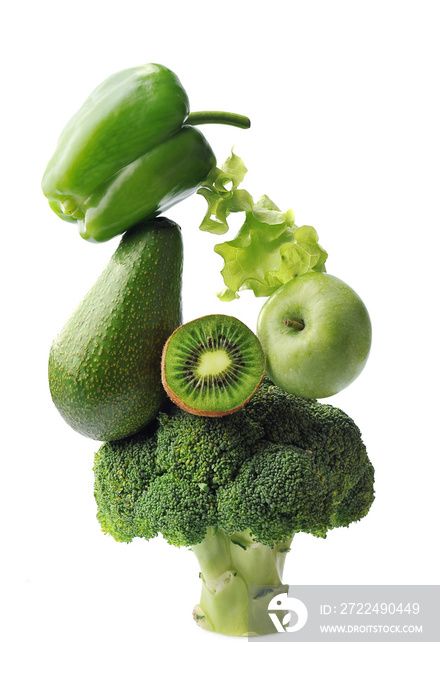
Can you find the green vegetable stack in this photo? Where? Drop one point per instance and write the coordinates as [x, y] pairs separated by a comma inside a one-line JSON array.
[[213, 435]]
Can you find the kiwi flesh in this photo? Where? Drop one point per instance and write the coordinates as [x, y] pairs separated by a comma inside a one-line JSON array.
[[212, 366]]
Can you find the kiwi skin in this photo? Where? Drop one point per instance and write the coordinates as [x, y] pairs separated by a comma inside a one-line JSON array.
[[190, 409]]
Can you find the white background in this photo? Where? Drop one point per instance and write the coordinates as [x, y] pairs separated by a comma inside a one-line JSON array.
[[343, 98]]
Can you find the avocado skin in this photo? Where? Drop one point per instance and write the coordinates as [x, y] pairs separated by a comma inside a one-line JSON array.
[[104, 366]]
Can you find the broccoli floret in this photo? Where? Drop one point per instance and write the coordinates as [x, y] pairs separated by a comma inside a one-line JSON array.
[[236, 490], [203, 450], [277, 493], [180, 509], [123, 470]]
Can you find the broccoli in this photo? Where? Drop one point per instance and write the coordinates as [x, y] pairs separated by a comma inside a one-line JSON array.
[[235, 490]]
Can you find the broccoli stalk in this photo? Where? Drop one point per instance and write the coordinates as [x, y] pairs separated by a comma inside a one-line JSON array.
[[235, 490], [229, 565]]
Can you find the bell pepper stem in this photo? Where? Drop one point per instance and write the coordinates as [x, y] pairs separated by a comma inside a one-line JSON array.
[[228, 118]]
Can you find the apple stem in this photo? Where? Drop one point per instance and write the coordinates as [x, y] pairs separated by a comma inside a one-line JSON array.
[[294, 323]]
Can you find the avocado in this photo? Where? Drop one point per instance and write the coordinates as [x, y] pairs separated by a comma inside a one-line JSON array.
[[104, 366]]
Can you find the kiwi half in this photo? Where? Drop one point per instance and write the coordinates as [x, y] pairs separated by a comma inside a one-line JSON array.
[[212, 366]]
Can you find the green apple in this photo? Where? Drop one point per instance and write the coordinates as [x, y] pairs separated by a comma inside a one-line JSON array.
[[316, 333]]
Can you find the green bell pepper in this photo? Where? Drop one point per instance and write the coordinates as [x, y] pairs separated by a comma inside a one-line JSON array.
[[129, 153]]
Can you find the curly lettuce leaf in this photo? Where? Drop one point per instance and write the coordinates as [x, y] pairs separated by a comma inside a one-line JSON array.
[[303, 255], [254, 254], [269, 249], [223, 196]]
